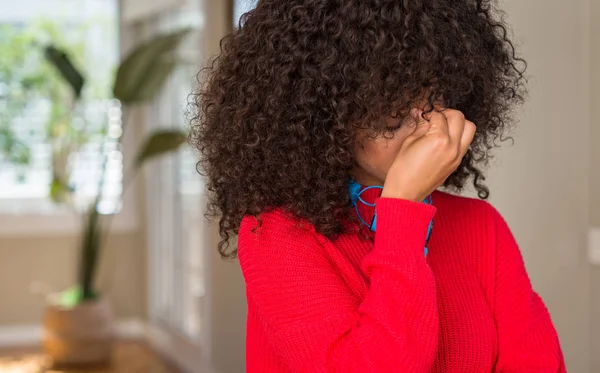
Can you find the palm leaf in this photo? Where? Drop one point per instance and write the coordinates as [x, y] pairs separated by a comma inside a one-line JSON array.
[[138, 66], [156, 78], [61, 61], [158, 143]]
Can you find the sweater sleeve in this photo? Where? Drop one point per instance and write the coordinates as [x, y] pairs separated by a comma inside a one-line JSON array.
[[528, 341], [315, 323]]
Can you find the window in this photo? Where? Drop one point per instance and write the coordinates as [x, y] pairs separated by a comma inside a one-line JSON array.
[[175, 220], [240, 7], [39, 135], [176, 248], [176, 224]]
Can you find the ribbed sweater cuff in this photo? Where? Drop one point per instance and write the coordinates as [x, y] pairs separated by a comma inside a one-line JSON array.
[[402, 225]]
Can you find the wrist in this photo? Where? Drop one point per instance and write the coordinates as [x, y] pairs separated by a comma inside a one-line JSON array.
[[399, 193]]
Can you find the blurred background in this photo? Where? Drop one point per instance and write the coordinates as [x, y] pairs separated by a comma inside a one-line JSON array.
[[106, 260]]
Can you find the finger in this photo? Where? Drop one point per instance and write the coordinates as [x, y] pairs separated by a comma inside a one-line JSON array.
[[467, 137], [456, 126], [422, 126], [440, 105], [438, 121]]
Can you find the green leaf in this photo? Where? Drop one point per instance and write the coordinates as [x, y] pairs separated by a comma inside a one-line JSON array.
[[160, 142], [13, 149], [61, 61], [73, 297], [70, 297], [156, 78], [131, 84], [21, 156], [59, 190]]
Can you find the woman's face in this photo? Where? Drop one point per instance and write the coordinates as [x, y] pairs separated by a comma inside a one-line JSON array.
[[374, 156]]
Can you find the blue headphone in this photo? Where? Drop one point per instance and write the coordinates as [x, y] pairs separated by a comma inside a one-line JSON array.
[[356, 190]]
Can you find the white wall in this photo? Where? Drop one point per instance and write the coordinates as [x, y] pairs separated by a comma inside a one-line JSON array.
[[52, 260], [595, 177], [541, 184]]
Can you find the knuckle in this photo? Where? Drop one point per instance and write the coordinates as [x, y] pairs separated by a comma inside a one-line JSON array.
[[441, 141], [454, 155], [456, 163], [453, 114], [459, 116], [472, 128]]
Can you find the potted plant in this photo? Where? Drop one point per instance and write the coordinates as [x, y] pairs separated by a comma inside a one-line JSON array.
[[78, 323]]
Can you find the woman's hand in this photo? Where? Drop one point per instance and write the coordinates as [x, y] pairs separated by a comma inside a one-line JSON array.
[[429, 155]]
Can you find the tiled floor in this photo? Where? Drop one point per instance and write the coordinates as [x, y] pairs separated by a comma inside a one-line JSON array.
[[129, 358]]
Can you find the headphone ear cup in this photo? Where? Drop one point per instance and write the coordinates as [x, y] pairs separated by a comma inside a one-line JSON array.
[[354, 189]]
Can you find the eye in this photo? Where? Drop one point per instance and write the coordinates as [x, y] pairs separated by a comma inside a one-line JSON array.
[[397, 124], [394, 128]]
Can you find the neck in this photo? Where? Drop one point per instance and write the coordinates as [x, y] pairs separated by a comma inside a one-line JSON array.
[[364, 178]]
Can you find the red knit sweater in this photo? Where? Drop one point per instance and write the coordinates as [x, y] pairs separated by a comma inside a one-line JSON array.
[[355, 305]]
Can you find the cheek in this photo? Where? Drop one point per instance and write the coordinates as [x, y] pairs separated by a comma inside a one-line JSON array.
[[376, 156]]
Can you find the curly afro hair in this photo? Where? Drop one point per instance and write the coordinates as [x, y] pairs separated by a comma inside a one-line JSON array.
[[277, 115]]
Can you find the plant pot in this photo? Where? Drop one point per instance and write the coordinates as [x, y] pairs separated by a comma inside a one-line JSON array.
[[79, 336]]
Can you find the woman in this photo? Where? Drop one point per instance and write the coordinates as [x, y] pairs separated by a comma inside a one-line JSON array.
[[325, 128]]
